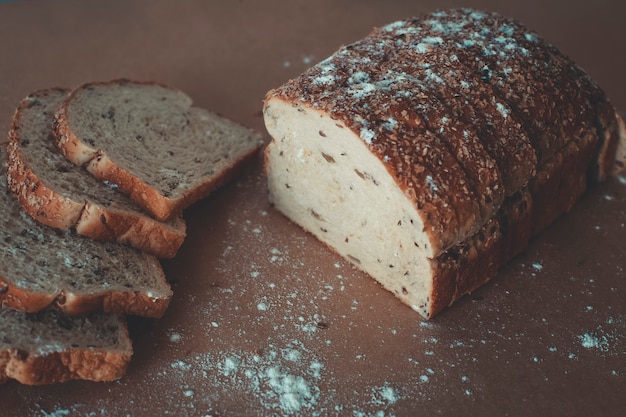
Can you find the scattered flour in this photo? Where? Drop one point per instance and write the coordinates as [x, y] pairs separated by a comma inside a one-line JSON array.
[[590, 341], [175, 337], [607, 337], [388, 394], [57, 413], [283, 380]]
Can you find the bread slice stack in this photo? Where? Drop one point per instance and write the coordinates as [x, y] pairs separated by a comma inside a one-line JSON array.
[[431, 151], [80, 249]]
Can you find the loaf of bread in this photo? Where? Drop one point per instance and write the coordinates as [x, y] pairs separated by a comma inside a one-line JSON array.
[[147, 141], [48, 347], [41, 267], [60, 194], [431, 151]]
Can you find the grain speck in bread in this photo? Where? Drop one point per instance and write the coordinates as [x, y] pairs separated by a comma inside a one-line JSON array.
[[60, 194], [49, 347], [41, 267], [150, 142], [429, 152]]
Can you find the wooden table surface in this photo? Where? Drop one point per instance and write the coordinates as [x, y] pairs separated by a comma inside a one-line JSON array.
[[267, 321]]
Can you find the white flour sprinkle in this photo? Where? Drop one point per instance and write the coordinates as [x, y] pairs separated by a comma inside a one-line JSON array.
[[284, 379], [175, 337], [367, 135], [57, 413], [389, 394], [590, 341], [180, 365]]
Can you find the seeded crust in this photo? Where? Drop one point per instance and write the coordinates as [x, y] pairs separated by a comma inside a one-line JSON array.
[[42, 267], [147, 140], [491, 47], [473, 105], [60, 194], [451, 102], [50, 347]]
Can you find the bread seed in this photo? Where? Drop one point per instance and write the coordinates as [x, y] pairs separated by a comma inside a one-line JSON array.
[[353, 259]]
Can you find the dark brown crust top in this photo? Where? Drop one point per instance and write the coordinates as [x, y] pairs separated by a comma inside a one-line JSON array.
[[469, 101], [518, 98]]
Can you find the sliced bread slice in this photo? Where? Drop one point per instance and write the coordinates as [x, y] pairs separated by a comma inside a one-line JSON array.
[[148, 141], [62, 195], [49, 347], [41, 266]]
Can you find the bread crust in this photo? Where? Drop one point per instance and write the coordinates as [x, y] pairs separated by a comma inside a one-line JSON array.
[[511, 153], [127, 302], [102, 167], [40, 202], [64, 366], [35, 359], [620, 148], [161, 207], [89, 219]]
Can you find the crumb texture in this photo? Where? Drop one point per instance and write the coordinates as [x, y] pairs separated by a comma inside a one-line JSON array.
[[60, 194], [38, 261], [149, 136]]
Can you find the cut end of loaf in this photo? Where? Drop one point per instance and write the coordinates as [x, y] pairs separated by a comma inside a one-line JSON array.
[[162, 239], [323, 177]]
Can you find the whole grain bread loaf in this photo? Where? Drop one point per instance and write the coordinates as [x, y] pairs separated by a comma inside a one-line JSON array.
[[431, 151], [42, 267], [49, 346], [60, 194], [148, 141]]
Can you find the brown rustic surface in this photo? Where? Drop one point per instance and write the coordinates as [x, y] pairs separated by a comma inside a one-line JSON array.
[[265, 320]]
